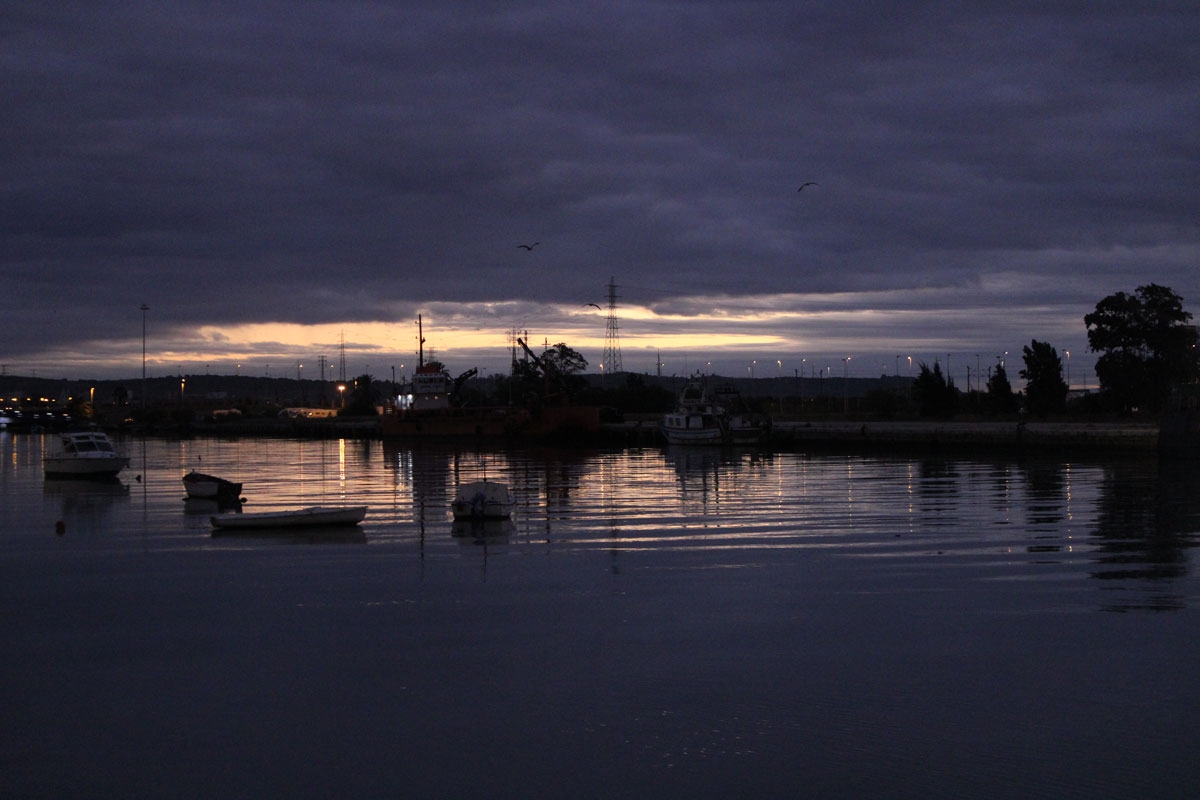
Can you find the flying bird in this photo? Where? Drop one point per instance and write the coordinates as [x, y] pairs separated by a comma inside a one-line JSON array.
[[808, 183], [593, 305], [528, 247]]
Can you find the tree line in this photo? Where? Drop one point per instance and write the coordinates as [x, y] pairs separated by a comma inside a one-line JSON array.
[[1146, 347]]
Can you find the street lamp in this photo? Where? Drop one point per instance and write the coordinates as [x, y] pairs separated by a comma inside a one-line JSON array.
[[145, 308], [845, 385], [1068, 352]]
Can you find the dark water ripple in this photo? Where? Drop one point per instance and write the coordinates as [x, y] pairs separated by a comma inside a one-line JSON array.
[[669, 623]]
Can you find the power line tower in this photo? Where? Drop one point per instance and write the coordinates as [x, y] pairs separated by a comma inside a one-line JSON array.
[[513, 336], [611, 364], [342, 359]]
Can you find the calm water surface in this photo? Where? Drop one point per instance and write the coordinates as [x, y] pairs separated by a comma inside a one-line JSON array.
[[652, 623]]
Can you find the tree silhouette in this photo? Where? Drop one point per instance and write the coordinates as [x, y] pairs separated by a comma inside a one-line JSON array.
[[934, 395], [1045, 389], [1146, 346], [1000, 394]]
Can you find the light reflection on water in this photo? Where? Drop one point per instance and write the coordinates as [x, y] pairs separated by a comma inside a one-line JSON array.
[[716, 622], [1129, 524]]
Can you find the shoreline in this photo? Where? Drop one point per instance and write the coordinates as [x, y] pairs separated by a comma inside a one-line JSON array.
[[1013, 437]]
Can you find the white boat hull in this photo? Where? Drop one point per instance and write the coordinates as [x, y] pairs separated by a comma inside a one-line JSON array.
[[86, 454], [483, 500], [697, 436], [316, 516]]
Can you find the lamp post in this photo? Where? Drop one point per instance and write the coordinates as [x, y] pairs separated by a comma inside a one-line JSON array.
[[1068, 352], [144, 309], [845, 385]]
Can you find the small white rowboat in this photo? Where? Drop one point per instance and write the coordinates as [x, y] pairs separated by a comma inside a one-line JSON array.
[[316, 516]]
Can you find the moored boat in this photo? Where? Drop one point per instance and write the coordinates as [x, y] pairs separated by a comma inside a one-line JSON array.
[[480, 500], [209, 487], [721, 418], [85, 454], [428, 407], [314, 516], [696, 419], [743, 425]]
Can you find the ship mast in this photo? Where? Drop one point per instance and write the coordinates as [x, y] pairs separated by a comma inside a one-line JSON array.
[[420, 343]]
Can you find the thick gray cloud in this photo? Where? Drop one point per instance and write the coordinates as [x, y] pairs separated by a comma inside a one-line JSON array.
[[985, 174]]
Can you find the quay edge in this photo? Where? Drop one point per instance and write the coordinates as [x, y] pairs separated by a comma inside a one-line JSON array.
[[923, 436]]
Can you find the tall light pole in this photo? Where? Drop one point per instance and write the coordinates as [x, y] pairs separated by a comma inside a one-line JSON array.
[[845, 385], [144, 309], [1068, 352]]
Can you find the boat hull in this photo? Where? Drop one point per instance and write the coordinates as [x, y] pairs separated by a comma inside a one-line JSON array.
[[490, 423], [316, 516], [483, 500], [209, 487], [85, 454], [697, 436], [92, 468]]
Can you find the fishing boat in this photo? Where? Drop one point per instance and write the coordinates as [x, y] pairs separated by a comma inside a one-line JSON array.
[[697, 419], [721, 417], [743, 425], [315, 516], [85, 454], [480, 500], [209, 487]]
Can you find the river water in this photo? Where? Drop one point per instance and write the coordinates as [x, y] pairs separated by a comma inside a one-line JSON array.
[[652, 623]]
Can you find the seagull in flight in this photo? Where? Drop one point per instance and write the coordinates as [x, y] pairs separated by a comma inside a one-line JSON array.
[[808, 183], [528, 247]]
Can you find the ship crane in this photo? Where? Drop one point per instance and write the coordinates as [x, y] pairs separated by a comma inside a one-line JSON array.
[[549, 371], [461, 379]]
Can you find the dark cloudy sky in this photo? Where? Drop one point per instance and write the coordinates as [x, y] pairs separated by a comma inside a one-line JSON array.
[[272, 178]]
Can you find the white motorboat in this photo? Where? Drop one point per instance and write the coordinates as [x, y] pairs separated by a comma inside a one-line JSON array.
[[85, 454], [484, 499], [209, 487], [315, 516]]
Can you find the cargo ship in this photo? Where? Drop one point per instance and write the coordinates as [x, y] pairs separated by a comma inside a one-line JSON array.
[[426, 410]]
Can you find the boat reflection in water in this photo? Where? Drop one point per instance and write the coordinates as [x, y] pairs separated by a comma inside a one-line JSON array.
[[481, 531], [201, 506], [307, 534], [85, 504]]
